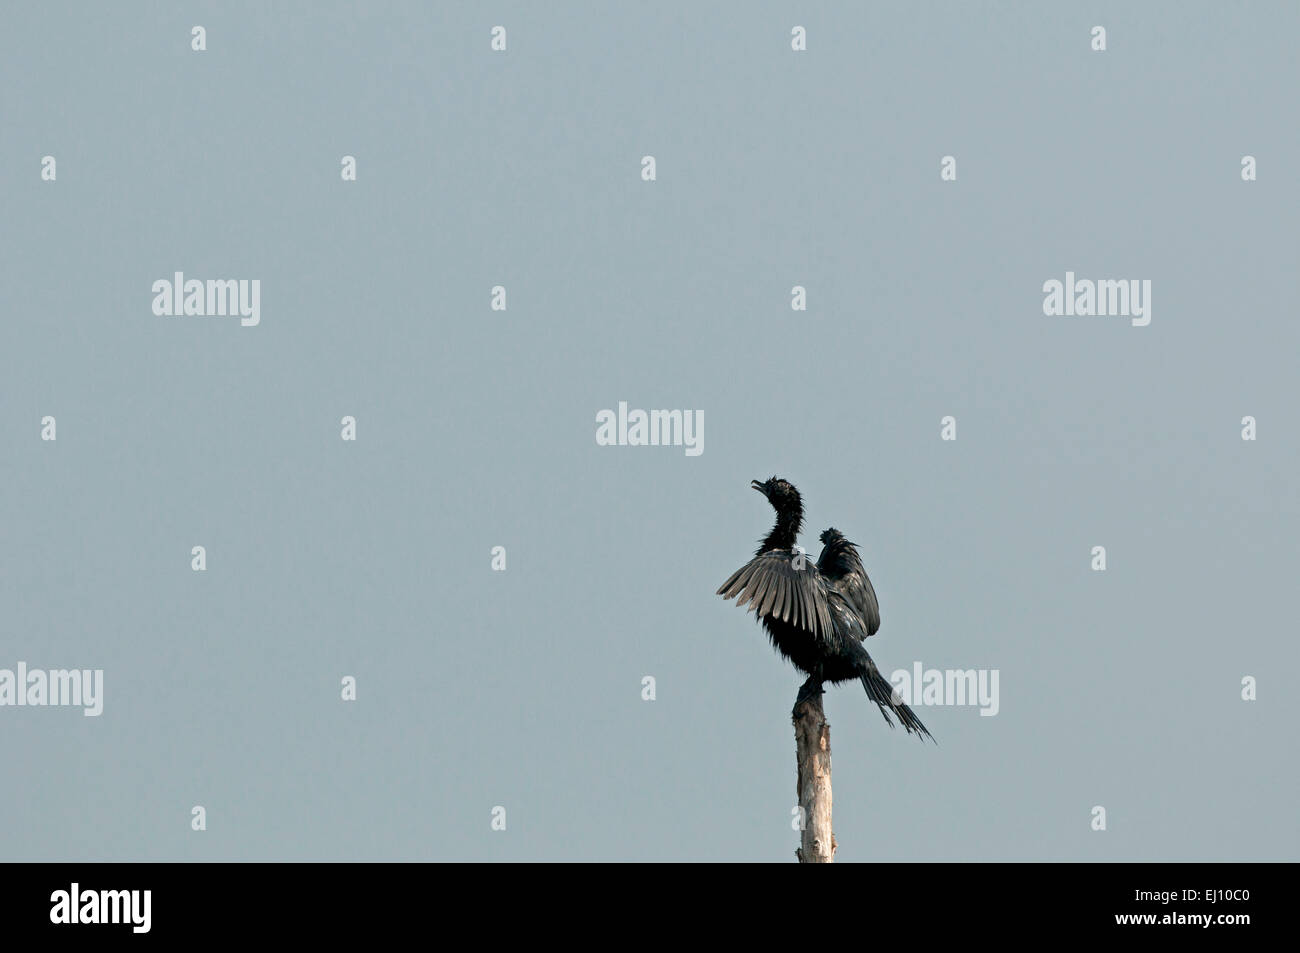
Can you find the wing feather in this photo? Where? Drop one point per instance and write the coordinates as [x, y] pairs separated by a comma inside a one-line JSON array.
[[773, 591], [772, 586]]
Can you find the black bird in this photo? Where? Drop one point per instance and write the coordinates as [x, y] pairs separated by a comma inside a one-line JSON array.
[[817, 616]]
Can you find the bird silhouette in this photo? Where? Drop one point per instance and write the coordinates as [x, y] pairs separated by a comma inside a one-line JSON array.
[[817, 616]]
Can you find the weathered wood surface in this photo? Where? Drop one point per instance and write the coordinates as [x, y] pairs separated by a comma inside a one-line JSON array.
[[812, 737]]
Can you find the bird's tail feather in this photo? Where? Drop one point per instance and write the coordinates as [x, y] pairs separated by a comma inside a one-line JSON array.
[[882, 693]]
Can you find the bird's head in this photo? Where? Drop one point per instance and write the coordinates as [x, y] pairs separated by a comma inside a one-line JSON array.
[[831, 535], [780, 493]]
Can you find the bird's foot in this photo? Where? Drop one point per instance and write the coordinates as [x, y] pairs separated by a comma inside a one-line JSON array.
[[808, 690]]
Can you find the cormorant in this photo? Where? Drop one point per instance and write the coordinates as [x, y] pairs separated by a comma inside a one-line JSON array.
[[817, 616]]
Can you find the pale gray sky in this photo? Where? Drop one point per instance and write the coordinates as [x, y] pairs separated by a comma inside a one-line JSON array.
[[476, 428]]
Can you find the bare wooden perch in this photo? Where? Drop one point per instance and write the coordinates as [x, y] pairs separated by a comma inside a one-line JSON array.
[[812, 736]]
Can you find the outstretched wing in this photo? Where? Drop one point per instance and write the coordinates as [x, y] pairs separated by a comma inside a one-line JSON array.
[[841, 567], [773, 584], [857, 589], [849, 623]]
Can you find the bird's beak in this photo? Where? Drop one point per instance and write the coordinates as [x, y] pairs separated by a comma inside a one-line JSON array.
[[758, 485]]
